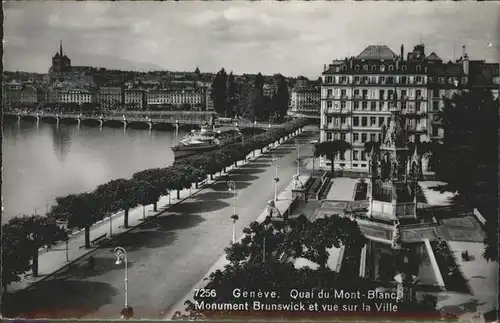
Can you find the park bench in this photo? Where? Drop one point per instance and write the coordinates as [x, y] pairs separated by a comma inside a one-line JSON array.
[[99, 239]]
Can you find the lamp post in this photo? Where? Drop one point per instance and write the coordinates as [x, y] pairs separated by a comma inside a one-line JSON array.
[[231, 185], [121, 257], [276, 179], [64, 226], [298, 156]]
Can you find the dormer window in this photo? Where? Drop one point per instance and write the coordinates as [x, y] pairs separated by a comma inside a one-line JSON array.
[[404, 68], [419, 68], [391, 68], [357, 68], [382, 68], [365, 68], [374, 68], [344, 68]]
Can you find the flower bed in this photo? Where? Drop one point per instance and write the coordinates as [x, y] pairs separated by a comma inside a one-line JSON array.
[[361, 190], [452, 277]]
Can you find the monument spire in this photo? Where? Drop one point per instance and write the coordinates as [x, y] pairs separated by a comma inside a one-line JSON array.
[[60, 48]]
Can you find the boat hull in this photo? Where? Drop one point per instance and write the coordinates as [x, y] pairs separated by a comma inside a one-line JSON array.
[[181, 152]]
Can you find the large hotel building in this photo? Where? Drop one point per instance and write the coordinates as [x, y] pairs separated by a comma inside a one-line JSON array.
[[358, 94]]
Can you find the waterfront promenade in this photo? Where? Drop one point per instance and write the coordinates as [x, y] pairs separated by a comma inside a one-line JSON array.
[[167, 255]]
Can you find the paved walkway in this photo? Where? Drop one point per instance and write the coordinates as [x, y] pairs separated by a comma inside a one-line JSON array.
[[282, 204], [167, 256], [482, 278], [342, 189], [55, 259]]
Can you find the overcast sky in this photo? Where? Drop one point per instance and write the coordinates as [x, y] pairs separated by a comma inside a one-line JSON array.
[[292, 38]]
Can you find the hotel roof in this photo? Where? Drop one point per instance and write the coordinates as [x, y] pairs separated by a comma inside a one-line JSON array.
[[377, 52]]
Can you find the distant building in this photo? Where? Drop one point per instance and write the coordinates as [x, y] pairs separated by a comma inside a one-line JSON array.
[[306, 101], [134, 99], [79, 96], [110, 97], [175, 98], [301, 83]]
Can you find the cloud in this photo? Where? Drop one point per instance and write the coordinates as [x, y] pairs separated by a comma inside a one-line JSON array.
[[292, 37]]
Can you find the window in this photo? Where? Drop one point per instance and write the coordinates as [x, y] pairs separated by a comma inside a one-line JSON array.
[[329, 92], [329, 104], [364, 105], [381, 94], [373, 106], [418, 79], [404, 80], [365, 68], [355, 137], [382, 68], [355, 155], [404, 68], [356, 79], [363, 155], [365, 94], [329, 120], [373, 121], [363, 137], [418, 106], [329, 136], [355, 121], [391, 68], [328, 80], [419, 68], [357, 68], [403, 94], [381, 80], [435, 105], [342, 120], [356, 93], [374, 68], [342, 155], [343, 93], [372, 137], [356, 105], [344, 68], [342, 105], [380, 121], [364, 121], [342, 136]]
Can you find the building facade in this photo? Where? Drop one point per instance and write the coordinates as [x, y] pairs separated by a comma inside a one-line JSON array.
[[134, 99], [110, 97], [306, 101], [78, 96], [358, 94], [176, 98]]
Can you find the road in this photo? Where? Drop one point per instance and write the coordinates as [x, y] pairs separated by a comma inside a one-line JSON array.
[[166, 256]]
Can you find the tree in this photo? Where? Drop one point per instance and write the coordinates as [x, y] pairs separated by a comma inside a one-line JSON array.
[[329, 149], [232, 93], [259, 82], [469, 148], [13, 263], [157, 185], [119, 194], [79, 211], [281, 98], [328, 232], [35, 231], [219, 92]]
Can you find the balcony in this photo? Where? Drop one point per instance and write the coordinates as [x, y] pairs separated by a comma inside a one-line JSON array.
[[418, 128], [344, 97], [337, 111], [338, 126]]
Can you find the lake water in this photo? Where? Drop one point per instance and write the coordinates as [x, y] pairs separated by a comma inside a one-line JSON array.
[[43, 162]]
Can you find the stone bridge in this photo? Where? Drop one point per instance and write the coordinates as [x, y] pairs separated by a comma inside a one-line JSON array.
[[173, 120]]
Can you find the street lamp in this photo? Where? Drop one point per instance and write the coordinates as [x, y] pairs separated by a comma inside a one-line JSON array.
[[298, 156], [121, 257], [276, 179], [231, 186]]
